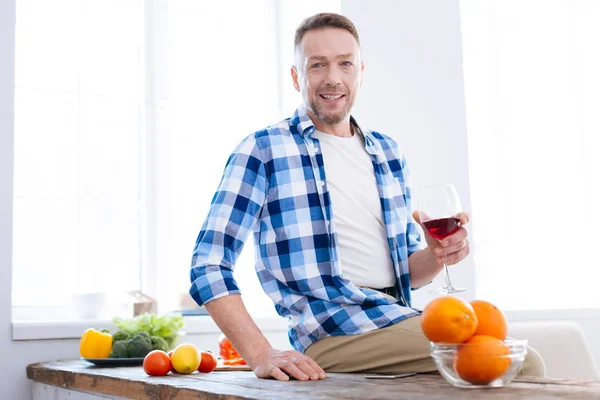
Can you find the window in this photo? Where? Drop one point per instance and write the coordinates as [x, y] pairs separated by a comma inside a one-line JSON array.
[[125, 113], [533, 95], [78, 108]]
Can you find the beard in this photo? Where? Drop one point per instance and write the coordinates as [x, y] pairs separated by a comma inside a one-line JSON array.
[[330, 118]]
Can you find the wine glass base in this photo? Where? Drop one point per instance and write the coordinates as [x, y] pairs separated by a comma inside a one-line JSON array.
[[448, 290]]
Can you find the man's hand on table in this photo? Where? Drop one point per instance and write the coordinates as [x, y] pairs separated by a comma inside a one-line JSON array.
[[272, 363]]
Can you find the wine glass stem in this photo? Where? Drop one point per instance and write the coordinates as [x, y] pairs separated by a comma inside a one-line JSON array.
[[448, 283]]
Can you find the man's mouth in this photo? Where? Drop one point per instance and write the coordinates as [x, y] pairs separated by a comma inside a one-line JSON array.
[[331, 97]]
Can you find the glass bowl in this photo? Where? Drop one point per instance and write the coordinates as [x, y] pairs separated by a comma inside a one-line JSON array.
[[479, 367]]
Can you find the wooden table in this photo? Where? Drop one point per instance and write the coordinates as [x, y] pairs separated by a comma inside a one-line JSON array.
[[132, 382]]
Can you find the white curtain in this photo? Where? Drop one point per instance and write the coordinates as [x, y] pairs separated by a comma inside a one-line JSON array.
[[532, 87]]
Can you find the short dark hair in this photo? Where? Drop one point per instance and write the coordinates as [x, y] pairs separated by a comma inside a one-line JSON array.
[[323, 21]]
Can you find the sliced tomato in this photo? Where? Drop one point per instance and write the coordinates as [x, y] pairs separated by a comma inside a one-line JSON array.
[[235, 361], [226, 349]]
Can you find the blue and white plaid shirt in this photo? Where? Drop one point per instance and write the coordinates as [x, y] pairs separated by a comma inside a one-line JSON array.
[[274, 185]]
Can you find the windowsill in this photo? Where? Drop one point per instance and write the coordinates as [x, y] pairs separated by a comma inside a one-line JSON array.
[[204, 324], [193, 325], [553, 315]]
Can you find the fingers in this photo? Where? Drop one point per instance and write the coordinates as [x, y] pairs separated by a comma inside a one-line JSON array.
[[290, 368], [316, 367], [455, 248], [452, 247], [454, 239], [419, 215], [464, 217], [454, 254], [278, 374], [297, 365], [416, 216], [458, 256], [311, 368], [307, 369]]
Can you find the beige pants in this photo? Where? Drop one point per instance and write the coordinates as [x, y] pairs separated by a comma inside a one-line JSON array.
[[395, 349]]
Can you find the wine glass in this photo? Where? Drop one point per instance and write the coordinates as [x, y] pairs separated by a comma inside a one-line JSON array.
[[439, 206]]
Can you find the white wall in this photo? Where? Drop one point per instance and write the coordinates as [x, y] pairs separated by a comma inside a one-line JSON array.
[[14, 356], [413, 91]]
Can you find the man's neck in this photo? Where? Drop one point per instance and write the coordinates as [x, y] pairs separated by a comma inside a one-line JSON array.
[[341, 129]]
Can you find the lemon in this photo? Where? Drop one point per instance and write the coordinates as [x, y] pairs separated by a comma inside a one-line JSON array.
[[186, 358]]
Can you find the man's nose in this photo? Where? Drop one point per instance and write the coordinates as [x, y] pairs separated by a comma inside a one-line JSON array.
[[333, 77]]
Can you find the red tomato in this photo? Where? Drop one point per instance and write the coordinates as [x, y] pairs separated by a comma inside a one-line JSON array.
[[208, 362], [157, 363], [170, 354], [226, 349]]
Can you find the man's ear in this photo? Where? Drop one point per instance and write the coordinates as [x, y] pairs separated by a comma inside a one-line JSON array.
[[294, 72], [362, 71]]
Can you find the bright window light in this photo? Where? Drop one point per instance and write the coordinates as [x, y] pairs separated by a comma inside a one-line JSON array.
[[533, 95]]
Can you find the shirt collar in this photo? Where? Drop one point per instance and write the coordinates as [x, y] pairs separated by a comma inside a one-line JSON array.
[[305, 126]]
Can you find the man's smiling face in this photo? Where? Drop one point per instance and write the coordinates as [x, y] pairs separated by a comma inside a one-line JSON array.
[[328, 73]]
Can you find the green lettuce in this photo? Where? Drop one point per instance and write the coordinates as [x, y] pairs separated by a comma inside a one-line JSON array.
[[166, 327]]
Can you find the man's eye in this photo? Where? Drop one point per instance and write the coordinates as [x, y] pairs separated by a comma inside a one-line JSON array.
[[317, 65], [346, 63]]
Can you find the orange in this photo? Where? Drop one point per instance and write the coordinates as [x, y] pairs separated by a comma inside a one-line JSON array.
[[490, 320], [482, 359], [448, 319]]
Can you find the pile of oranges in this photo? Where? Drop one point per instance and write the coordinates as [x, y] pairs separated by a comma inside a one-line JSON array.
[[479, 327]]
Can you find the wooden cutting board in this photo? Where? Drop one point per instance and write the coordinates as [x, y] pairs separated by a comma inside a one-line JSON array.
[[221, 367]]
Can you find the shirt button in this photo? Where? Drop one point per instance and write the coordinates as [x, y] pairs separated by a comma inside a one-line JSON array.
[[322, 183]]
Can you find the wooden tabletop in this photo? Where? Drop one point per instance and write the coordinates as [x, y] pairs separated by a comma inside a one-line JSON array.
[[132, 382]]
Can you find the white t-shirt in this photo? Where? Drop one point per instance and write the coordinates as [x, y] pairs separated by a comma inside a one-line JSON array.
[[364, 252]]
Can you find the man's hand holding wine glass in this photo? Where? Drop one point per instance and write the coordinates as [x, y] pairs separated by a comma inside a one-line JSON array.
[[455, 247], [441, 216]]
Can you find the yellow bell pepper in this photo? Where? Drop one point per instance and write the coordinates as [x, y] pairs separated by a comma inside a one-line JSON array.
[[95, 344]]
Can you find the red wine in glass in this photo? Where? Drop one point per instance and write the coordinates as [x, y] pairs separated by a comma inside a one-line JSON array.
[[441, 228], [438, 207]]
